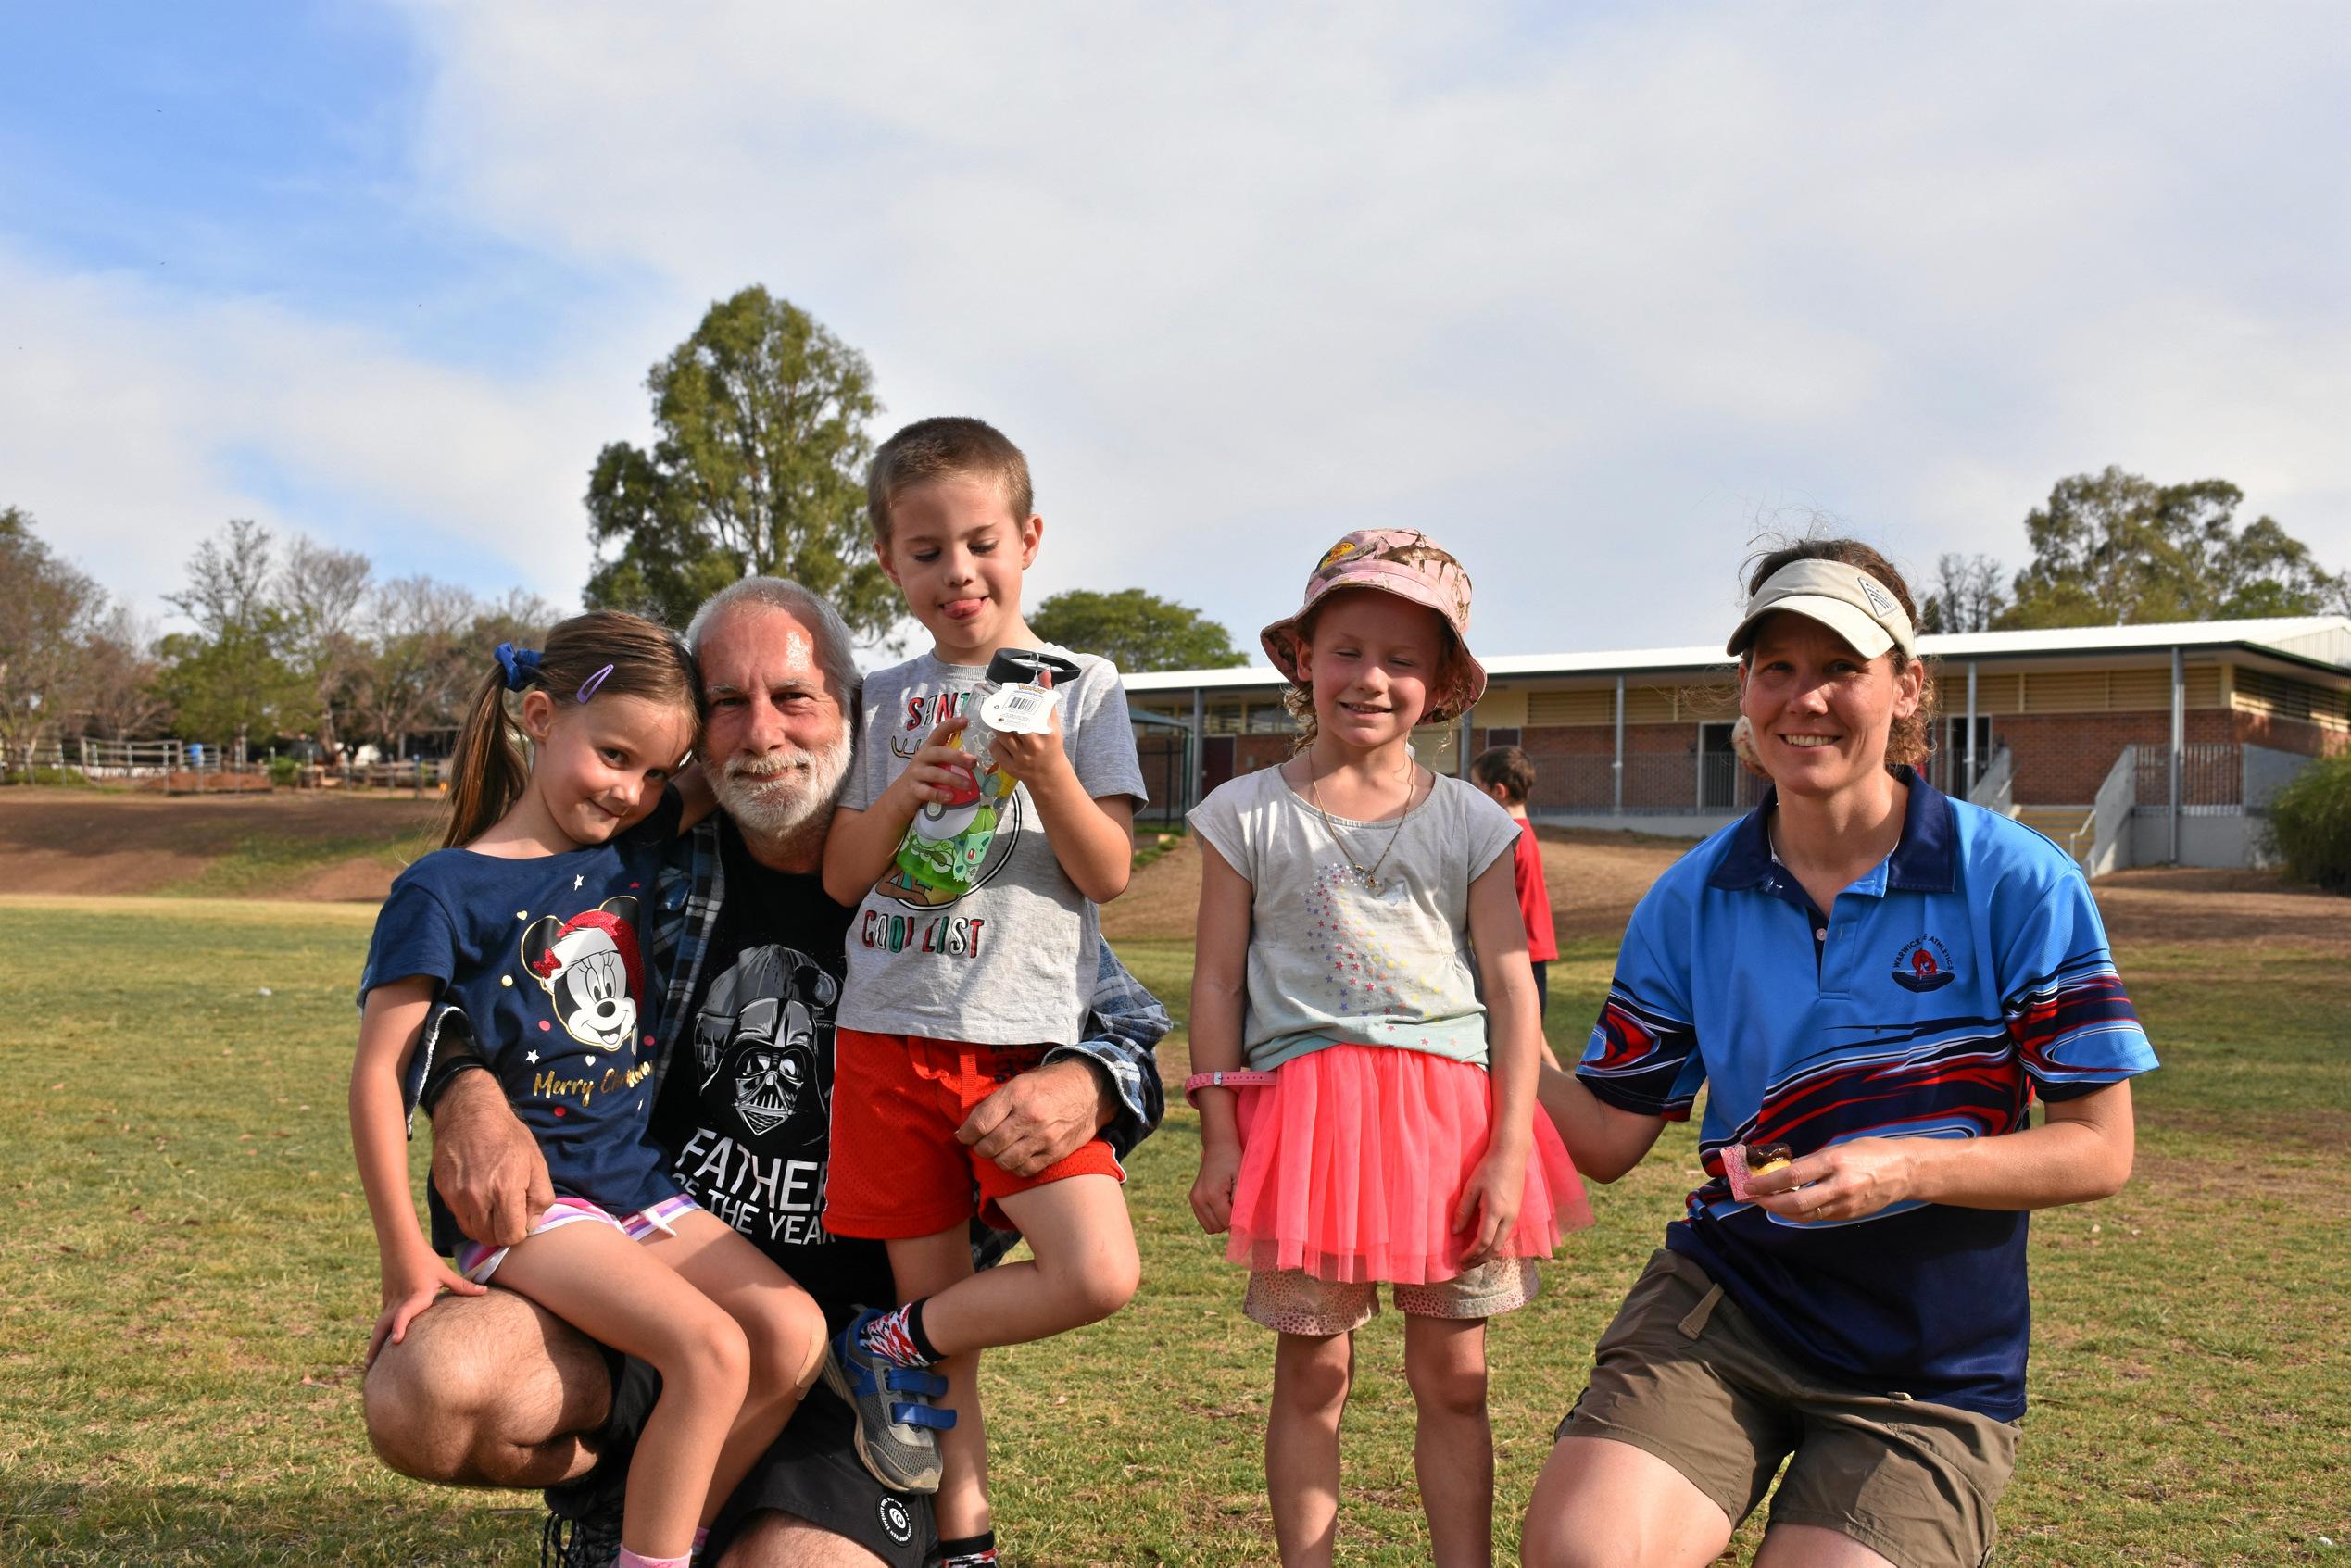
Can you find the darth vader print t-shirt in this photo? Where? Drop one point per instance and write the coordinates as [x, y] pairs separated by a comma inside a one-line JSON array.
[[746, 1098]]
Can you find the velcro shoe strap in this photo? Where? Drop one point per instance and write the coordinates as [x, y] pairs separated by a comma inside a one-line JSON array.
[[930, 1416], [914, 1380]]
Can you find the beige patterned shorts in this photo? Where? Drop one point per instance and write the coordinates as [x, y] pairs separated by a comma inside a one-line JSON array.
[[1293, 1301]]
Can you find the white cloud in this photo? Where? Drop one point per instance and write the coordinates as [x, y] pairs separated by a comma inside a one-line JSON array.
[[136, 420], [1586, 297]]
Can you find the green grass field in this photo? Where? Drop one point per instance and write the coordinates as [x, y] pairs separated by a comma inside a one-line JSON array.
[[189, 1280]]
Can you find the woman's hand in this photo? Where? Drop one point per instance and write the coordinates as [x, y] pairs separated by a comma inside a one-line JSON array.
[[1845, 1181], [1488, 1207], [1213, 1188], [408, 1290]]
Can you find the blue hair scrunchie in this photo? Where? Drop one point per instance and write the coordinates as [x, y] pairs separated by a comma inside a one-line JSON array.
[[521, 666]]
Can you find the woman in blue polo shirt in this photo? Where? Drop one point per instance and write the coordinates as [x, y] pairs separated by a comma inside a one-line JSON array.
[[1881, 978]]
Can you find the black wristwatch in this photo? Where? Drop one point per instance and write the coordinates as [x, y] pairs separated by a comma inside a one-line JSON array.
[[454, 1055]]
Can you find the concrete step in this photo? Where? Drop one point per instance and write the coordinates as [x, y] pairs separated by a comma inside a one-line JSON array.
[[2056, 822]]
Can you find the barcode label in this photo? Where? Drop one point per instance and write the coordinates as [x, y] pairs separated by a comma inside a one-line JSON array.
[[1018, 710]]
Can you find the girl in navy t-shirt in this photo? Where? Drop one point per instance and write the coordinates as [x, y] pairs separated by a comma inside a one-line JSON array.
[[522, 933]]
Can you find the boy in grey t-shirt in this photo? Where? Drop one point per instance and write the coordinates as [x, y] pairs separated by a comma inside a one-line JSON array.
[[977, 890]]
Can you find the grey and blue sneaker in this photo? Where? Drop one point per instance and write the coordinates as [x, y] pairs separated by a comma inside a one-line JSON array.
[[897, 1422]]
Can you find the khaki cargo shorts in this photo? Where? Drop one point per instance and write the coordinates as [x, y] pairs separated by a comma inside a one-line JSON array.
[[1293, 1301], [1684, 1374]]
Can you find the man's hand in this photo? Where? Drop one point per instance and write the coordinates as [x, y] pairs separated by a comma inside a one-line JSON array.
[[1042, 1116], [485, 1166]]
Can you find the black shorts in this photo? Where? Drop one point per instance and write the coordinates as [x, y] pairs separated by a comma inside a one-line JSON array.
[[813, 1473]]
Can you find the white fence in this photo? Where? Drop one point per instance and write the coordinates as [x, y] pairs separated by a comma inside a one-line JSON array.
[[135, 758]]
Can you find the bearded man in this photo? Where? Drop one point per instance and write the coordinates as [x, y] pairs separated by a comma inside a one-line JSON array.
[[495, 1391]]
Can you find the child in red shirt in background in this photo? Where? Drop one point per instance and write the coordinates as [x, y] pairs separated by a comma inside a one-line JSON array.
[[1506, 774]]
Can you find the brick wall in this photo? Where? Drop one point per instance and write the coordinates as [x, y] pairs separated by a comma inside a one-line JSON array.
[[1572, 772], [2063, 758], [1253, 752], [2289, 735]]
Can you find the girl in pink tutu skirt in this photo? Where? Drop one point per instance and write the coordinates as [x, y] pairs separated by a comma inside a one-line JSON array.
[[1362, 1118]]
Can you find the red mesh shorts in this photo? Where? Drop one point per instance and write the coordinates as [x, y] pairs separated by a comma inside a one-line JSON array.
[[896, 1169]]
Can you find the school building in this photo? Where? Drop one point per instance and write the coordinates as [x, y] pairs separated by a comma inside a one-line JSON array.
[[2130, 744]]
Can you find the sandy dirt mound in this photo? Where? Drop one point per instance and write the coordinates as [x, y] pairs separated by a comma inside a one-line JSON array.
[[1161, 899], [1596, 878], [2163, 904], [75, 841]]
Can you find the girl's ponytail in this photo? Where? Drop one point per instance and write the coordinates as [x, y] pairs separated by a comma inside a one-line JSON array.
[[488, 771], [605, 652]]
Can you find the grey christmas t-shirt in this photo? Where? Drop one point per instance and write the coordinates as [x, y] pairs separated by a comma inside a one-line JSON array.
[[976, 932], [1336, 960]]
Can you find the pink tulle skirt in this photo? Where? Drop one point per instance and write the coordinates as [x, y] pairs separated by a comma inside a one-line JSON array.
[[1352, 1159]]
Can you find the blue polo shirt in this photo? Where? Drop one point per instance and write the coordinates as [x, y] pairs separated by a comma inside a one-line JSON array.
[[1959, 977]]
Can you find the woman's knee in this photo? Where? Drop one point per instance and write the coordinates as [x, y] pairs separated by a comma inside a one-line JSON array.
[[1604, 1504]]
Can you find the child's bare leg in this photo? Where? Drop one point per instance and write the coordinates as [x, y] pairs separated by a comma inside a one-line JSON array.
[[1453, 1445], [1084, 1269], [615, 1291], [926, 1269], [783, 1323], [1310, 1376]]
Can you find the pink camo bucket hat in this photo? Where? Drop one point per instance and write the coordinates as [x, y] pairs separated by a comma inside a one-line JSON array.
[[1404, 562]]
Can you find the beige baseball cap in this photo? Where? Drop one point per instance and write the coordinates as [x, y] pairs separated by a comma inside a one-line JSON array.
[[1845, 599]]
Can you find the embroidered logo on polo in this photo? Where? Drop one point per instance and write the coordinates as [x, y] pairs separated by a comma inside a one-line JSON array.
[[897, 1523], [1923, 965]]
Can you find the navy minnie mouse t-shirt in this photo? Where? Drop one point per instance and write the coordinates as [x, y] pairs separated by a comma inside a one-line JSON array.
[[540, 963]]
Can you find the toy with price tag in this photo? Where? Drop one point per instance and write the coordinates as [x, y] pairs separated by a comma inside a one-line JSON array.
[[946, 850]]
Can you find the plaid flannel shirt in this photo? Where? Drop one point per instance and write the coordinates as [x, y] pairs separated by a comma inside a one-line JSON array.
[[1125, 1023]]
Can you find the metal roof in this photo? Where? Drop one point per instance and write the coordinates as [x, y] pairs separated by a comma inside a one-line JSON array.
[[2323, 641]]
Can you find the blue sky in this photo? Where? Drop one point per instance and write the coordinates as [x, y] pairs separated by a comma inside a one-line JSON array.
[[1594, 299], [264, 152]]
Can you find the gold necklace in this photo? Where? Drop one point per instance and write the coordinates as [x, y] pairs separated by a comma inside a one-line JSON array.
[[1370, 877]]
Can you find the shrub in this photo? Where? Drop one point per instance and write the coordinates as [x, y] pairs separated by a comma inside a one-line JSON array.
[[2310, 825], [283, 772]]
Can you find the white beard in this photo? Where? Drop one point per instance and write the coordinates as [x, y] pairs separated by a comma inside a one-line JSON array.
[[774, 795]]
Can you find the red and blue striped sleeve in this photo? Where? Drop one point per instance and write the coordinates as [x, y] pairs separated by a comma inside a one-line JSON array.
[[2073, 1022], [1644, 1053]]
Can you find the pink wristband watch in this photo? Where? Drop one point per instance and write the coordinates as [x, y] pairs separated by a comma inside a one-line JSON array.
[[1238, 1078]]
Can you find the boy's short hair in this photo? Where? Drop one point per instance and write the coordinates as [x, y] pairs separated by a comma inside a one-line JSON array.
[[951, 447], [1507, 766]]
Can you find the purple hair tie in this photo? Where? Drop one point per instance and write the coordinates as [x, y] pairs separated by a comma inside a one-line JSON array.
[[587, 687], [521, 665]]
